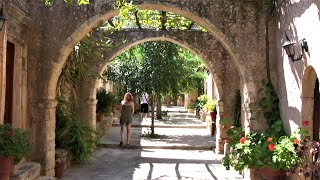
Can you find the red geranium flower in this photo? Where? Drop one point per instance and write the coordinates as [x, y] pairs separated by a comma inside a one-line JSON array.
[[269, 139], [305, 123], [271, 147], [242, 140], [249, 126], [295, 141], [227, 126]]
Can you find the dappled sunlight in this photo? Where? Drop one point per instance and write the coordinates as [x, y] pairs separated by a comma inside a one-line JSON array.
[[182, 155]]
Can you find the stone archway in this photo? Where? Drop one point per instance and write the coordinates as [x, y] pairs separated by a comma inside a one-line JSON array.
[[49, 54], [223, 69], [308, 99]]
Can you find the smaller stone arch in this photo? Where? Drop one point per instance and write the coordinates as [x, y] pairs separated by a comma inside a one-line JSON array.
[[307, 97], [89, 93]]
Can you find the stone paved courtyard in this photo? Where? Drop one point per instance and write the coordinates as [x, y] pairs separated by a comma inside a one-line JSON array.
[[183, 151]]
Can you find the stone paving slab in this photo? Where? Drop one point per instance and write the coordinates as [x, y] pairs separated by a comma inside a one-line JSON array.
[[125, 164], [168, 137], [181, 152]]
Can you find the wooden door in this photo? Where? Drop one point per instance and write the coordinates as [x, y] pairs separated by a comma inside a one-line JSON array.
[[316, 115], [9, 83]]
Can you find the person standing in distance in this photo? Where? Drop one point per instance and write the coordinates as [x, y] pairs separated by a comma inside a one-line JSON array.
[[127, 110], [144, 106]]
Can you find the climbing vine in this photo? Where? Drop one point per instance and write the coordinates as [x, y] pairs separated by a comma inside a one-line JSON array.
[[269, 104], [71, 131], [236, 108]]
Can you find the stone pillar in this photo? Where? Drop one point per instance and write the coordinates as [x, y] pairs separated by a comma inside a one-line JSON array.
[[89, 112], [221, 134], [254, 119], [44, 124], [3, 52], [88, 101], [190, 99]]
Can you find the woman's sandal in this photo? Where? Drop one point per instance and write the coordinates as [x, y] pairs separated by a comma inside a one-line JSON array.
[[121, 143]]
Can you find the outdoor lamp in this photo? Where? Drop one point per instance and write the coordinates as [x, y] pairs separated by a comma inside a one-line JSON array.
[[289, 48], [2, 18]]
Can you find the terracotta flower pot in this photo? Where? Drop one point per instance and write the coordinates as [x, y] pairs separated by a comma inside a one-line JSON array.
[[59, 170], [213, 116], [100, 116], [270, 174], [6, 164]]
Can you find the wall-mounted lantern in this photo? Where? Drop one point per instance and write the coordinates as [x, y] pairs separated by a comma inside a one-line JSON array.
[[290, 50]]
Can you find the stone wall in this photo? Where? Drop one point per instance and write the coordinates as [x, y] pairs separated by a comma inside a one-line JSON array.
[[299, 19], [236, 25]]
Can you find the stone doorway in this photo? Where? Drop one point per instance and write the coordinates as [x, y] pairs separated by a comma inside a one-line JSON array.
[[316, 111], [9, 83]]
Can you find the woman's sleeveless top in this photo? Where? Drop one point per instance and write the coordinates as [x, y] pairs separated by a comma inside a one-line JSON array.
[[126, 114]]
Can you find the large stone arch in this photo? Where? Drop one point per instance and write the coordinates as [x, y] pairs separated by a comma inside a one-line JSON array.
[[239, 28]]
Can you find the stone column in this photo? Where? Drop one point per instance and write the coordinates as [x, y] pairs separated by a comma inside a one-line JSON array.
[[254, 119], [89, 112], [88, 101], [3, 52], [44, 124], [221, 134]]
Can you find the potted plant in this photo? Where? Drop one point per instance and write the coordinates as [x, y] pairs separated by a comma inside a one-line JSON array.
[[104, 104], [308, 166], [210, 106], [198, 105], [270, 155], [14, 145]]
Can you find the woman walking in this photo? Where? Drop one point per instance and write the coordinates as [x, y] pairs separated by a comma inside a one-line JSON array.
[[127, 109]]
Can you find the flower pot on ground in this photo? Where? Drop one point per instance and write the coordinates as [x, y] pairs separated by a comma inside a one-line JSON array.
[[199, 104], [59, 169], [100, 116], [6, 164], [106, 100], [14, 145], [270, 174]]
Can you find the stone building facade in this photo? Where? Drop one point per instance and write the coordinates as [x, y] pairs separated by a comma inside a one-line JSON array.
[[37, 40], [296, 80]]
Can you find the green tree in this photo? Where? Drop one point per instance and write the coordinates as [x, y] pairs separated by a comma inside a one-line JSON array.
[[158, 68]]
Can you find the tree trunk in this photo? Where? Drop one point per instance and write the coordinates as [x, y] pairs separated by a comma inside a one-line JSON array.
[[159, 110], [152, 113]]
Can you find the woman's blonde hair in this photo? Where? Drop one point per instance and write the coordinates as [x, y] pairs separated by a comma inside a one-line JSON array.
[[128, 97]]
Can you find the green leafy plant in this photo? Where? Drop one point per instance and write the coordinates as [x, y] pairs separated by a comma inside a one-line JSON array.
[[259, 150], [105, 101], [236, 109], [210, 105], [199, 104], [71, 134], [308, 166], [13, 142], [272, 149]]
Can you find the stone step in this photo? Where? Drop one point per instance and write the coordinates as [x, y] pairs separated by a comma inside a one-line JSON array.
[[26, 171], [46, 178], [116, 146], [165, 126]]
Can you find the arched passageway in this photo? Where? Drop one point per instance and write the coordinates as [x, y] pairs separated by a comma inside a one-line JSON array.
[[56, 43], [221, 66]]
